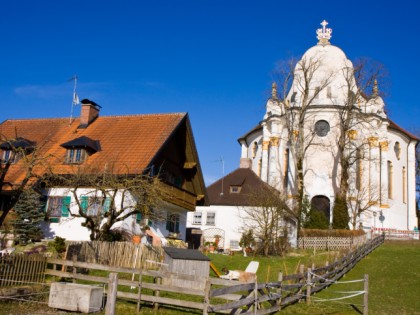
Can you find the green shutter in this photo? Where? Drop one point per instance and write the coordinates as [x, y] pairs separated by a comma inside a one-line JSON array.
[[138, 217], [107, 204], [84, 203], [177, 225], [65, 206]]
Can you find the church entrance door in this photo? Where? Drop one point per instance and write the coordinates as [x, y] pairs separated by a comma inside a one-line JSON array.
[[322, 204]]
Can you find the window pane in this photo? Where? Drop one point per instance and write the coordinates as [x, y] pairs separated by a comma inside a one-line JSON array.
[[197, 218], [211, 218], [54, 206]]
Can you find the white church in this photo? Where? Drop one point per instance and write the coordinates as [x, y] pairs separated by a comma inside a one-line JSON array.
[[325, 126], [322, 108]]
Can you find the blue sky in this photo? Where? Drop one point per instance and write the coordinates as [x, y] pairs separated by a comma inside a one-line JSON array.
[[212, 59]]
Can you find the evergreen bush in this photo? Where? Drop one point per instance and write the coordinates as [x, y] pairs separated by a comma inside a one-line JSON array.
[[340, 214], [29, 215]]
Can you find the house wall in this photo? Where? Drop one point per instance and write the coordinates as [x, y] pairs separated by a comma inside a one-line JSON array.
[[71, 228], [230, 219]]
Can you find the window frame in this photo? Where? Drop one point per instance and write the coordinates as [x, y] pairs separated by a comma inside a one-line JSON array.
[[208, 215], [195, 220], [76, 155]]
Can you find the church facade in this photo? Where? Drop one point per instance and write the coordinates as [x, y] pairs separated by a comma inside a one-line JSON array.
[[327, 135]]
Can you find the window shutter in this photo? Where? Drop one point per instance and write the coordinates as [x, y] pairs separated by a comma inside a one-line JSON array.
[[138, 217], [65, 206], [177, 226], [107, 204], [168, 223], [84, 203]]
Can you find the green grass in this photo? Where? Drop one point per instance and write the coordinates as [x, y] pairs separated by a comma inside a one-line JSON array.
[[394, 282]]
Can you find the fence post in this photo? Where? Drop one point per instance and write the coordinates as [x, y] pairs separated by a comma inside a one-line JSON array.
[[207, 289], [74, 258], [255, 295], [366, 296], [112, 293], [280, 279], [158, 281], [308, 286]]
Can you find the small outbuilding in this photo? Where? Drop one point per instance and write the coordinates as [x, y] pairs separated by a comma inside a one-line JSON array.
[[188, 262]]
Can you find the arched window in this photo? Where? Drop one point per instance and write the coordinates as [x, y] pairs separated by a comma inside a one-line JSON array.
[[359, 169], [254, 149], [404, 184], [286, 168], [390, 179], [397, 150]]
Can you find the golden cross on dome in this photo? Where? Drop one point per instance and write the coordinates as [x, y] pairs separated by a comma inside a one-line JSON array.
[[324, 34]]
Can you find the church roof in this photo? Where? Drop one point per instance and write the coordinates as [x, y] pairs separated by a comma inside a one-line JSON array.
[[393, 125], [235, 188], [256, 128]]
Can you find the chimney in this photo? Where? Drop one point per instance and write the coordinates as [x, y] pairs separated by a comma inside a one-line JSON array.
[[245, 163], [89, 112]]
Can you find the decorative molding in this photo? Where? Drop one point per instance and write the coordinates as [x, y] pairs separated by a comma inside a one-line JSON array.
[[265, 145], [384, 206], [324, 34], [373, 141], [384, 145], [352, 134], [373, 203], [274, 141]]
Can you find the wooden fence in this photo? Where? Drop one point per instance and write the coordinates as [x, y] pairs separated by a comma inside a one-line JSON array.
[[22, 269], [331, 243], [117, 254], [220, 296]]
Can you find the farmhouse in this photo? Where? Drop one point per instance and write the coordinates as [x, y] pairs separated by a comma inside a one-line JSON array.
[[158, 145]]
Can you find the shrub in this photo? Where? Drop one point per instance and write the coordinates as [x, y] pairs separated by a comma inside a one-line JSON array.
[[317, 220], [340, 214], [59, 244]]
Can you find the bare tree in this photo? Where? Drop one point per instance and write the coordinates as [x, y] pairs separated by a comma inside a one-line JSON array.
[[266, 217], [361, 200], [29, 158], [105, 197]]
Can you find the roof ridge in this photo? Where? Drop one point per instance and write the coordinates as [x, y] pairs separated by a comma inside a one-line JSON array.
[[107, 116]]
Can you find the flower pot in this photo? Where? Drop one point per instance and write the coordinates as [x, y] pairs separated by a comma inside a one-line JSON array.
[[136, 239]]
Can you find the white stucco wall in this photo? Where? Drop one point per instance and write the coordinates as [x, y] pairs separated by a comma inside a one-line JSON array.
[[71, 228], [230, 219]]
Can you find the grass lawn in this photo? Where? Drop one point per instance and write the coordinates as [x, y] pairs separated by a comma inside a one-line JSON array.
[[394, 282]]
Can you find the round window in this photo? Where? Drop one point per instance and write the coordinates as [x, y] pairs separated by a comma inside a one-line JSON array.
[[322, 127]]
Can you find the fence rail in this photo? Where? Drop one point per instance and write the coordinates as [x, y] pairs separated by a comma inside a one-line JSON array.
[[218, 295], [393, 234], [22, 269]]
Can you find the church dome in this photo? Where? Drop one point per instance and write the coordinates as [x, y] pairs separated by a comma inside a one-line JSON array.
[[327, 72]]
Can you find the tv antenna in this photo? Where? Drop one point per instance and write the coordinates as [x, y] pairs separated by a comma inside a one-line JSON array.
[[222, 161], [75, 100]]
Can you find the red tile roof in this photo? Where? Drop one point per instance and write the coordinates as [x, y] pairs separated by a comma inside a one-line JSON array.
[[128, 143], [394, 126]]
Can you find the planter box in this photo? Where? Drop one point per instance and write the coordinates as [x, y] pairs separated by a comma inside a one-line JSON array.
[[75, 297]]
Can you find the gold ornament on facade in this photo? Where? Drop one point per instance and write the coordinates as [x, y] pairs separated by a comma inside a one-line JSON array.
[[274, 141], [384, 145], [352, 134], [373, 141], [265, 145]]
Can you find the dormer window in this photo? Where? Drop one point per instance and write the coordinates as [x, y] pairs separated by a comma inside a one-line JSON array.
[[78, 150], [9, 156], [234, 189], [13, 150], [75, 155]]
